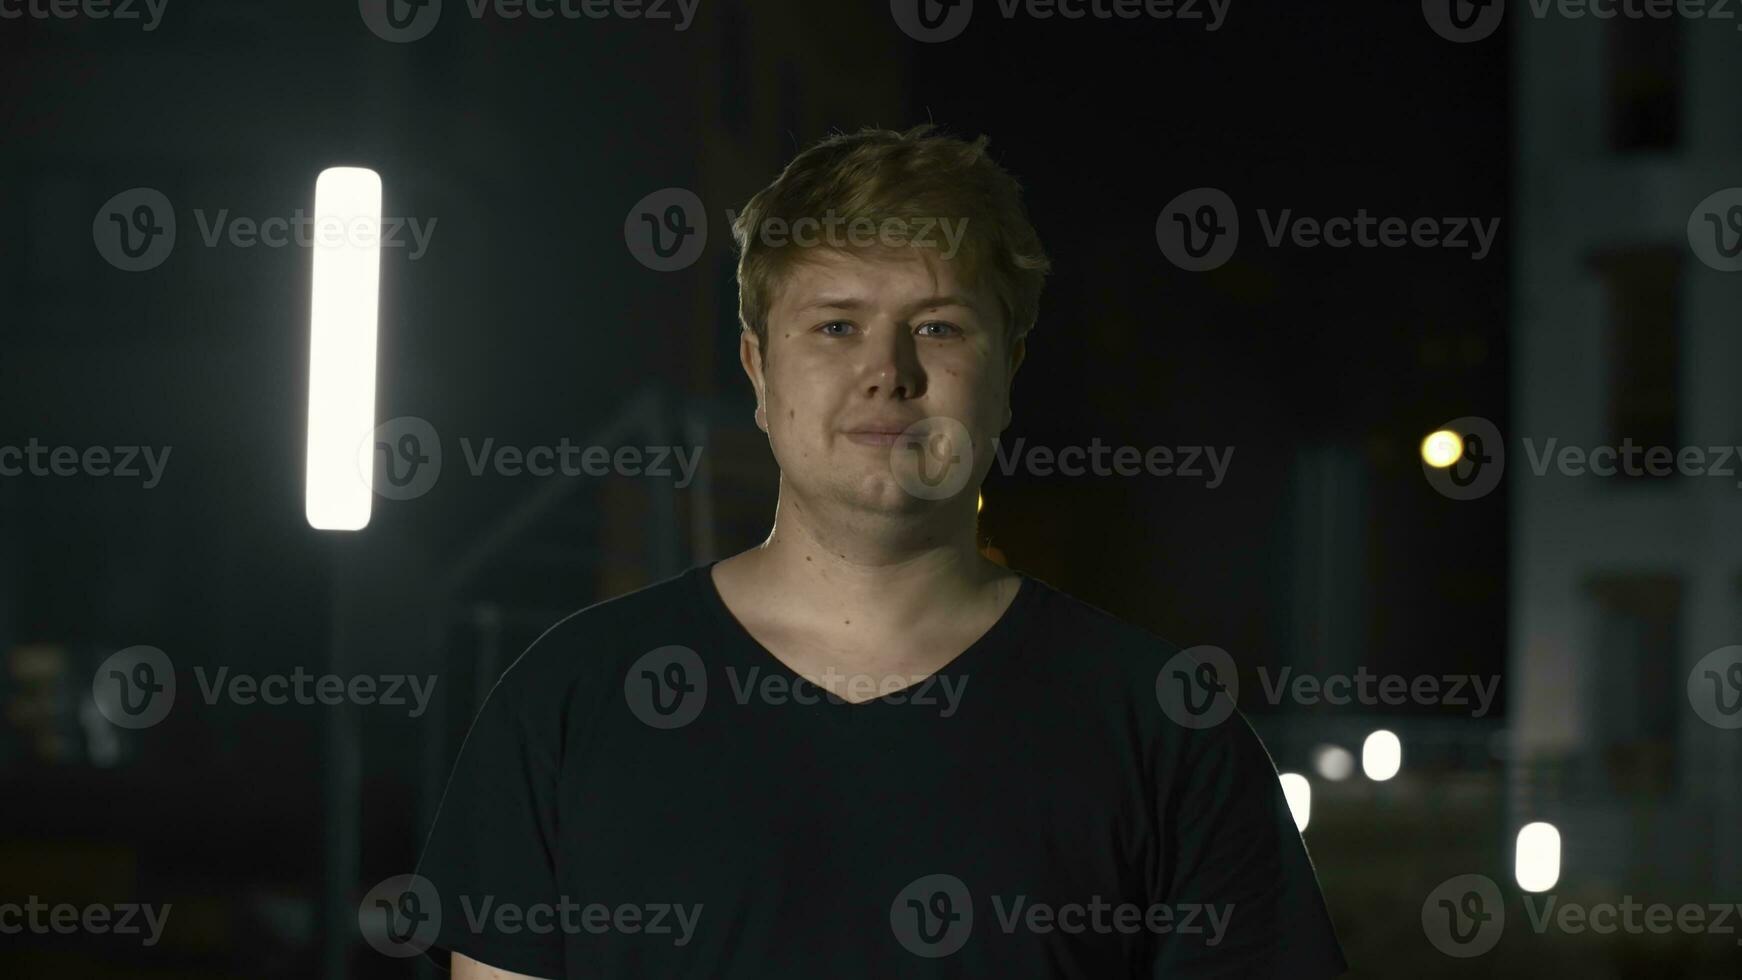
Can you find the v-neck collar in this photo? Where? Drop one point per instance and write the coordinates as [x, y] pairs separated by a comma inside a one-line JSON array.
[[999, 634]]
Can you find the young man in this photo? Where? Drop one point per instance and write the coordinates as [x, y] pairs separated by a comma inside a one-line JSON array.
[[861, 749]]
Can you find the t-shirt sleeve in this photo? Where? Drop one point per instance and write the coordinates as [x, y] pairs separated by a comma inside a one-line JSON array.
[[1235, 867], [490, 853]]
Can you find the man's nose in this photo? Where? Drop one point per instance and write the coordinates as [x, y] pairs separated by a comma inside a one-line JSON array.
[[891, 367]]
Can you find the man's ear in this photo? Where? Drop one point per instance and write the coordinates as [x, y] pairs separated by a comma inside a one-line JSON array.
[[1017, 353], [750, 356]]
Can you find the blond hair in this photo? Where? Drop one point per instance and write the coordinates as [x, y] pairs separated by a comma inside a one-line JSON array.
[[877, 176]]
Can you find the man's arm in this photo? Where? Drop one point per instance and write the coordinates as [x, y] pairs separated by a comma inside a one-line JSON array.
[[466, 968]]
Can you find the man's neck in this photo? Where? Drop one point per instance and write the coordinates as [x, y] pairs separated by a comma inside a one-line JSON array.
[[865, 586]]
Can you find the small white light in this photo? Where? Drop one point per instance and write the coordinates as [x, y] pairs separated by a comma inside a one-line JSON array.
[[1299, 794], [1381, 756], [342, 325], [1334, 762], [1537, 865]]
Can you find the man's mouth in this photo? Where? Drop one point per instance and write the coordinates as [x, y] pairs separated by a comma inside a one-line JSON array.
[[870, 437]]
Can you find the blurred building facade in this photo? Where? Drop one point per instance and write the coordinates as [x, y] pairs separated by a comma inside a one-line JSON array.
[[1621, 584]]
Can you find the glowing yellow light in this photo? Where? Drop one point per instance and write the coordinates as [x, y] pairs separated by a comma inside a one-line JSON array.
[[1442, 448], [979, 503]]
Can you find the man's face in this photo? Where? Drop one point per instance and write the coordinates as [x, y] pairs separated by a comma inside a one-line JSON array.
[[862, 346]]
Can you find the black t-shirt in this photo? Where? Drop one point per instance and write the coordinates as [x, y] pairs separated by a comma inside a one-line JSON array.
[[648, 792]]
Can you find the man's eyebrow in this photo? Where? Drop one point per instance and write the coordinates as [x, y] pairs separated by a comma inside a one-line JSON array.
[[855, 303]]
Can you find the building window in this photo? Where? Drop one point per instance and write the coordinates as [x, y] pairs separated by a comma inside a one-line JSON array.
[[1635, 692], [1642, 347]]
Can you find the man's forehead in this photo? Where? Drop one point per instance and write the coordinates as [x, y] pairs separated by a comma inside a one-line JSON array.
[[842, 281]]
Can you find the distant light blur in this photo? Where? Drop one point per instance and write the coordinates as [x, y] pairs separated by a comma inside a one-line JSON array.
[[1381, 756], [1538, 862], [1442, 448], [1299, 794], [1333, 762]]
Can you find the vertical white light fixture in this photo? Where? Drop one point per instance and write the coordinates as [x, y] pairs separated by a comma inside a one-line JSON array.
[[346, 243], [1537, 865], [1299, 794]]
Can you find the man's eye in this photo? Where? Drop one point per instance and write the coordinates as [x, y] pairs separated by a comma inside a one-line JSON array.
[[943, 329], [829, 328]]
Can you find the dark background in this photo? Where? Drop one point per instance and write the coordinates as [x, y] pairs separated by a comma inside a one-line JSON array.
[[529, 320]]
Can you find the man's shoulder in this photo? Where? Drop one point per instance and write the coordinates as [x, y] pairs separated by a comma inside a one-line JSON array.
[[597, 641], [1088, 628]]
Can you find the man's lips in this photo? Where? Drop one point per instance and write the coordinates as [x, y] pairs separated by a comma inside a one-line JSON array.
[[874, 437]]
